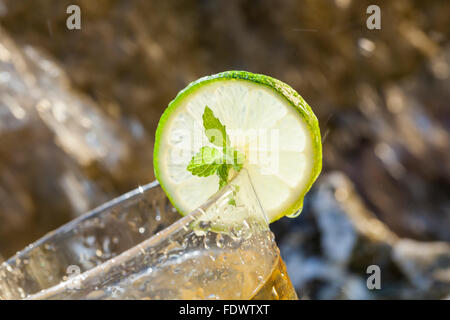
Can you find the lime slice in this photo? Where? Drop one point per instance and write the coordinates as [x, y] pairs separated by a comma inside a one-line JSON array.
[[266, 120]]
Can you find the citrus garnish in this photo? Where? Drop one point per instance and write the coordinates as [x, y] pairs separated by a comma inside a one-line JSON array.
[[222, 123]]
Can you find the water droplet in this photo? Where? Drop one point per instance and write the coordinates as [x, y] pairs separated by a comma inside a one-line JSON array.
[[204, 224], [219, 240], [199, 233], [158, 214], [295, 214]]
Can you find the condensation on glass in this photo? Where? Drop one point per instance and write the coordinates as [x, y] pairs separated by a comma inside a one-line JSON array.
[[138, 247]]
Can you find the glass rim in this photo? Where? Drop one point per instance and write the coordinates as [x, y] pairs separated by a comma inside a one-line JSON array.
[[152, 240], [70, 225]]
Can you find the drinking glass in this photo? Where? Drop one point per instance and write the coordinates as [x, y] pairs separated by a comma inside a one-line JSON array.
[[138, 246]]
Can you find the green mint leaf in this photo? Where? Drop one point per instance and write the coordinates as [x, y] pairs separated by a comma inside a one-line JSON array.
[[209, 161], [235, 158], [235, 190], [239, 159], [215, 131], [205, 162], [222, 183], [222, 172]]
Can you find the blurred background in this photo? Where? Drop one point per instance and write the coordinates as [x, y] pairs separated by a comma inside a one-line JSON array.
[[79, 108]]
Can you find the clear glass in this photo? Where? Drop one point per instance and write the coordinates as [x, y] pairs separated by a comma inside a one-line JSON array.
[[138, 247]]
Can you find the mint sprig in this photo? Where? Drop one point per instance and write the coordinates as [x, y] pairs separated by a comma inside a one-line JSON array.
[[223, 172], [209, 160], [214, 129], [205, 162]]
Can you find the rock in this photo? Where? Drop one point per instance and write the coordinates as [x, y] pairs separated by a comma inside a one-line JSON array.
[[351, 239], [54, 142], [339, 234], [426, 265]]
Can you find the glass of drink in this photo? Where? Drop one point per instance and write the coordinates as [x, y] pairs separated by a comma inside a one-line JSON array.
[[138, 247]]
